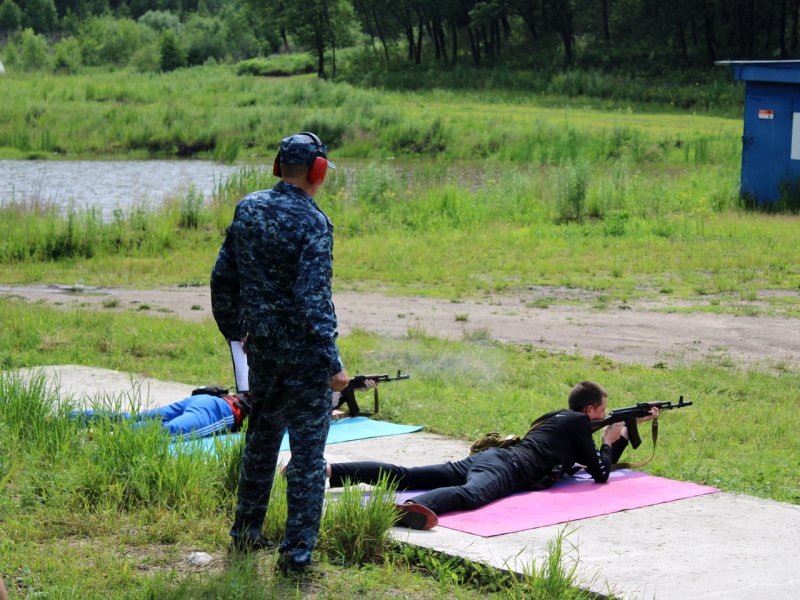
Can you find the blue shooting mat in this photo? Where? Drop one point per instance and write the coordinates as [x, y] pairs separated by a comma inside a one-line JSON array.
[[343, 430]]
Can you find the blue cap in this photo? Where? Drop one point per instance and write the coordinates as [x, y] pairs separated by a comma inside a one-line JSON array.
[[302, 149]]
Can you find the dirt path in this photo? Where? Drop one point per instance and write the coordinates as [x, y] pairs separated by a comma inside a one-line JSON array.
[[630, 333]]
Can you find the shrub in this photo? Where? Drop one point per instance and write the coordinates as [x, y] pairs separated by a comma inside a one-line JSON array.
[[33, 51], [582, 83], [10, 54], [160, 20], [172, 55], [146, 59], [67, 55], [278, 65], [105, 40]]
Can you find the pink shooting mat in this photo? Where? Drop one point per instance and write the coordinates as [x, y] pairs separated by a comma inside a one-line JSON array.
[[570, 499]]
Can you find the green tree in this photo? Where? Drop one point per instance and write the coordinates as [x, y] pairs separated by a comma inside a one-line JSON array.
[[561, 17], [67, 55], [41, 15], [204, 37], [106, 40], [173, 55], [159, 20], [240, 39], [10, 16], [33, 51], [319, 25], [378, 22]]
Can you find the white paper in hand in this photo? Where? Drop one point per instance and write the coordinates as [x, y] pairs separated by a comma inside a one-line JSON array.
[[240, 368]]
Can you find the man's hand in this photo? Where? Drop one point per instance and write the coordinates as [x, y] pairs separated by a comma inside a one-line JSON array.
[[613, 432], [243, 342], [362, 383], [654, 412], [340, 381]]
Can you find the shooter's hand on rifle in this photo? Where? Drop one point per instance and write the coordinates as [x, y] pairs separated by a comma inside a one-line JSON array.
[[613, 432], [623, 428], [360, 383], [654, 412]]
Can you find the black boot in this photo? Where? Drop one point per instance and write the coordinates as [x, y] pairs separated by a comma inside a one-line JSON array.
[[250, 541]]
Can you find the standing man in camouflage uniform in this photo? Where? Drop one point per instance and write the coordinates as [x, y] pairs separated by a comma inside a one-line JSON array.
[[271, 287]]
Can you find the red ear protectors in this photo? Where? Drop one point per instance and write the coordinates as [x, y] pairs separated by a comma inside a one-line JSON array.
[[318, 170], [276, 166], [319, 164]]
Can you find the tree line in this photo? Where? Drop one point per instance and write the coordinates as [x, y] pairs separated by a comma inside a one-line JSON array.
[[613, 34]]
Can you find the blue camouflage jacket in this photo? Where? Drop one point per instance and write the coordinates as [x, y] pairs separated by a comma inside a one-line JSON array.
[[272, 277]]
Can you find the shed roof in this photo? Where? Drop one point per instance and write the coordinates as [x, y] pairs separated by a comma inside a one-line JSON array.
[[774, 71]]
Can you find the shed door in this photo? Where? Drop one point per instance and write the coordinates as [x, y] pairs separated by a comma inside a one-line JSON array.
[[766, 145]]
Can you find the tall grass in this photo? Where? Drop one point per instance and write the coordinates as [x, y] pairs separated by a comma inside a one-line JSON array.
[[357, 529], [557, 575], [210, 112], [571, 188], [40, 231], [113, 466]]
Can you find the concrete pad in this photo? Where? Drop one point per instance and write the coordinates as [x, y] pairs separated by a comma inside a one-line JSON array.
[[712, 547], [717, 546]]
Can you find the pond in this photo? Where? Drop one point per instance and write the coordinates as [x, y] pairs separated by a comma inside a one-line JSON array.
[[108, 185]]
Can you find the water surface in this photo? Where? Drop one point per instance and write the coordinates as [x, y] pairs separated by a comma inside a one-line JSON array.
[[108, 185]]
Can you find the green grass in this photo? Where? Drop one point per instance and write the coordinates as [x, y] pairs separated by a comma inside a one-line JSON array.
[[738, 413], [211, 112]]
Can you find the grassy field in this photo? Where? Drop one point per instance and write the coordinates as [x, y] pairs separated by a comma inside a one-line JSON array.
[[437, 194], [211, 112]]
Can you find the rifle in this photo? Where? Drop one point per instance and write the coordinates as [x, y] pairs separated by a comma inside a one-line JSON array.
[[348, 394], [629, 414]]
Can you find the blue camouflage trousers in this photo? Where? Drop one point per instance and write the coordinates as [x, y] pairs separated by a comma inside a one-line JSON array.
[[291, 395]]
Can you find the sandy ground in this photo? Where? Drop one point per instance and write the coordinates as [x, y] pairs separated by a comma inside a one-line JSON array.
[[632, 333]]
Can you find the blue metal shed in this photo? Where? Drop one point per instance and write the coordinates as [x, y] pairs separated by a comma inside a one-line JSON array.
[[771, 140]]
